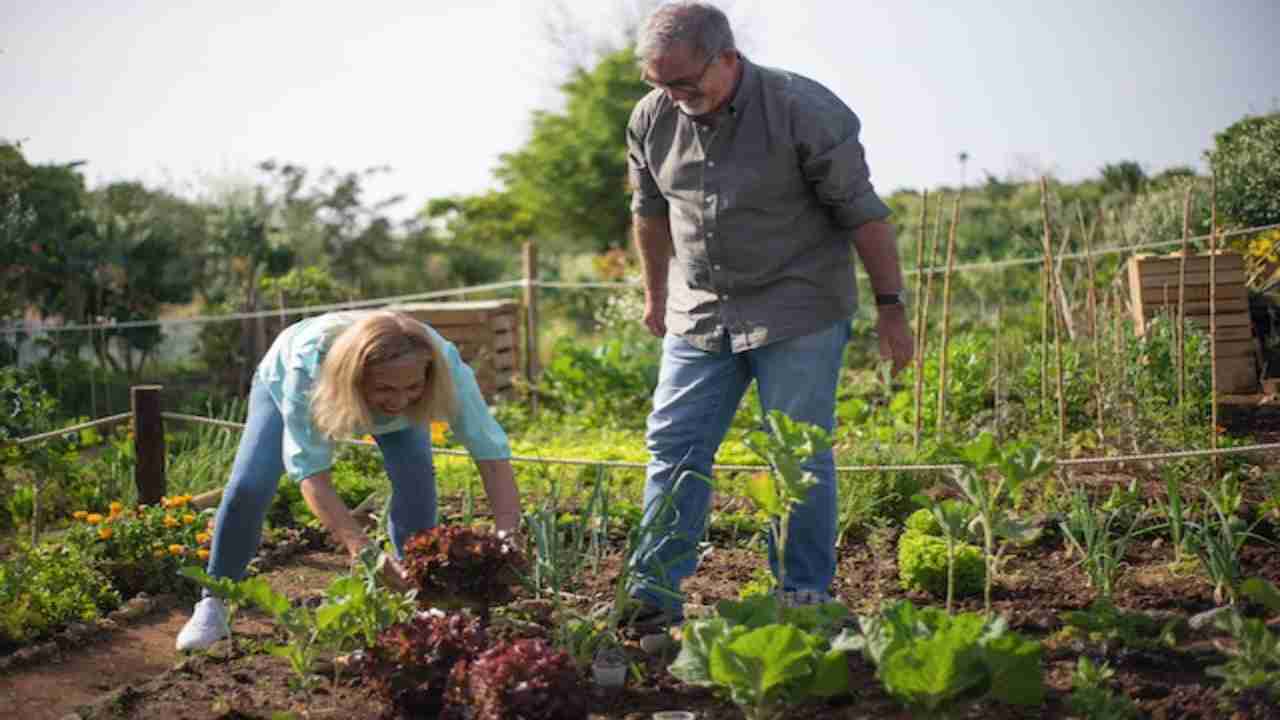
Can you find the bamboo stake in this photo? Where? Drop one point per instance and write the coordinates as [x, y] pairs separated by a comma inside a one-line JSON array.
[[1050, 279], [946, 317], [920, 328], [1181, 328], [933, 263], [1213, 327], [999, 323], [1044, 340], [1092, 302]]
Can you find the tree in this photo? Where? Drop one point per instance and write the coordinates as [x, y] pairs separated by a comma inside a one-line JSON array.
[[1246, 160], [570, 177], [1123, 177]]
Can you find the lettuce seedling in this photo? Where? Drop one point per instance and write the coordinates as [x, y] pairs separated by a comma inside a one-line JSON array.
[[525, 679], [410, 664], [455, 567]]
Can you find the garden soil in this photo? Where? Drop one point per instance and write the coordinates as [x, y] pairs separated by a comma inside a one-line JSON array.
[[134, 672]]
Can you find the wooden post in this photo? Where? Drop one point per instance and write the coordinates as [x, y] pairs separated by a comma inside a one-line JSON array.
[[148, 443], [531, 320]]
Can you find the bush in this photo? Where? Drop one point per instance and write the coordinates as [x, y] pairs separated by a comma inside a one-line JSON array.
[[45, 588], [922, 565], [141, 550], [923, 522]]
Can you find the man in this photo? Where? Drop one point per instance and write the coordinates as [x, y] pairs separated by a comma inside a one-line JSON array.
[[748, 185]]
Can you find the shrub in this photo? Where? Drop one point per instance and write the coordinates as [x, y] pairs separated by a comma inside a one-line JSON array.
[[525, 679], [922, 565], [141, 550], [48, 587], [457, 566], [409, 667]]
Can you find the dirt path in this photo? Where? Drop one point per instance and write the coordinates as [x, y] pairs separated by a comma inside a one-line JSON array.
[[54, 688]]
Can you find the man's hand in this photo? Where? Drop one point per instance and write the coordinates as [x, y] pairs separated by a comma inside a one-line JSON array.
[[655, 313], [896, 342]]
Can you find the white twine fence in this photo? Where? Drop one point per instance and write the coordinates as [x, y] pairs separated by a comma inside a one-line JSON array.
[[1071, 462]]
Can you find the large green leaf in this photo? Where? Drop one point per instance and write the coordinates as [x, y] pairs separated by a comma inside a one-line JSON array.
[[1017, 677], [758, 662], [693, 663], [763, 491]]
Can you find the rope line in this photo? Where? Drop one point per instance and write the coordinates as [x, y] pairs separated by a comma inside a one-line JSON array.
[[310, 309], [110, 420], [564, 285]]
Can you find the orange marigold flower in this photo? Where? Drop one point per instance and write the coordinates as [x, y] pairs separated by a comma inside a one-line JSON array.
[[438, 428], [203, 538], [202, 554], [170, 521], [116, 507], [105, 533], [188, 518], [176, 550], [80, 514], [93, 518]]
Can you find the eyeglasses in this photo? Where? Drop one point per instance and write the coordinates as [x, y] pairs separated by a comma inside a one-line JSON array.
[[690, 84]]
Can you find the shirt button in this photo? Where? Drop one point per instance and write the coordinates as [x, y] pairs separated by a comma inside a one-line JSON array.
[[711, 199], [711, 163], [715, 267], [710, 235]]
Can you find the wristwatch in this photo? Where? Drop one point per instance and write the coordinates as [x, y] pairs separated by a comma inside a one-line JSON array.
[[893, 298]]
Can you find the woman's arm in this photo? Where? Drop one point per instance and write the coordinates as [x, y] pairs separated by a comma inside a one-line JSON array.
[[500, 486], [323, 500]]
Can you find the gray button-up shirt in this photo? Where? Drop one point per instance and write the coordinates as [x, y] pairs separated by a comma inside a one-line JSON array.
[[762, 204]]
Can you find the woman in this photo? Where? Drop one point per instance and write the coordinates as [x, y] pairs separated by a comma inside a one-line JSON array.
[[329, 377]]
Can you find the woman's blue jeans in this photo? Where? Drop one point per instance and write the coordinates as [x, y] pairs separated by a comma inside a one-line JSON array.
[[697, 396], [256, 473]]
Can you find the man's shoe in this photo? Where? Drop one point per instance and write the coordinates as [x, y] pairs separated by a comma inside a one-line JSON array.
[[208, 625], [644, 618], [804, 598]]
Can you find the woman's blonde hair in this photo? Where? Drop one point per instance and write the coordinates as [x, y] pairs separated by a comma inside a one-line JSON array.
[[338, 405]]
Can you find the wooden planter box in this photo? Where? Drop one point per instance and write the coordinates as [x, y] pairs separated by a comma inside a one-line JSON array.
[[1153, 290], [486, 333]]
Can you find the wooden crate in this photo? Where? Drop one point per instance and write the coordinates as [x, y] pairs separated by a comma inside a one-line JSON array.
[[486, 333], [1153, 290]]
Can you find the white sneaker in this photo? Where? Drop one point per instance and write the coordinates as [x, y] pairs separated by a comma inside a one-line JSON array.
[[208, 625]]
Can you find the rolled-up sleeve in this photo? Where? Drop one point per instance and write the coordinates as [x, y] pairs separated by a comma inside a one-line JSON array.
[[834, 162], [646, 198], [473, 424]]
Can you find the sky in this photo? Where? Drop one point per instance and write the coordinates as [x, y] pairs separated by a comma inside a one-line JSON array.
[[191, 96]]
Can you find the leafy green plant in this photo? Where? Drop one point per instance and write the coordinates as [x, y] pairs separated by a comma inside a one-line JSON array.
[[917, 564], [940, 566], [1090, 697], [46, 587], [1217, 540], [454, 567], [784, 444], [519, 679], [409, 664], [1103, 623], [1175, 511], [992, 479], [939, 664], [765, 656], [1254, 660], [1089, 532]]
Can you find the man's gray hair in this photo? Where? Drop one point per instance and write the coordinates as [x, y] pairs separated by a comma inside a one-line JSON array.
[[700, 25]]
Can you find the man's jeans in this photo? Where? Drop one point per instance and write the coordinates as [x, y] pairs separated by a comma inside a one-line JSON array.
[[259, 465], [697, 396]]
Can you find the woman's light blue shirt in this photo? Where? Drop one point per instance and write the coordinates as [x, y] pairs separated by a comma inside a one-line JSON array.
[[289, 370]]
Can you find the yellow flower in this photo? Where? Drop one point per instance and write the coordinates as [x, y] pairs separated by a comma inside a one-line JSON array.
[[116, 507], [170, 521], [93, 518], [158, 552], [176, 550], [80, 514], [181, 500], [203, 538], [105, 533], [164, 501], [438, 428], [202, 554], [188, 518]]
